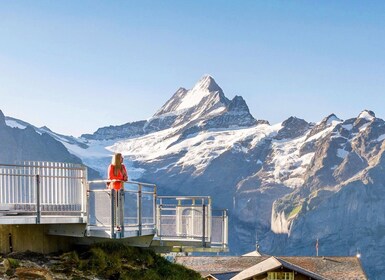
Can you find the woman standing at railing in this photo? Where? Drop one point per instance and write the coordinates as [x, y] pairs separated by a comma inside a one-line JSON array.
[[117, 171]]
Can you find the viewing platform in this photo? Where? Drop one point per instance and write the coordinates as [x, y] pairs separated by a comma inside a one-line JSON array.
[[59, 197]]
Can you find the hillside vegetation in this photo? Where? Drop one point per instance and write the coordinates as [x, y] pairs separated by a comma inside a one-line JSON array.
[[100, 261]]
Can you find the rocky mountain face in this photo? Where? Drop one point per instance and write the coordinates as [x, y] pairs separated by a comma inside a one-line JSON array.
[[331, 188], [21, 141], [26, 144], [285, 185], [202, 107]]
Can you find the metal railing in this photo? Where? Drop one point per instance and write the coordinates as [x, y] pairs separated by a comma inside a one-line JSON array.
[[219, 228], [191, 218], [58, 193], [122, 212], [42, 189]]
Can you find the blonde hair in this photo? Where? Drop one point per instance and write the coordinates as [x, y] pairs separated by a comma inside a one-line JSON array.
[[117, 162]]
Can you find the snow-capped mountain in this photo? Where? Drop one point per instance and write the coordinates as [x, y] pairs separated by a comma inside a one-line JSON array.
[[21, 141], [202, 107], [285, 185], [15, 123], [325, 184]]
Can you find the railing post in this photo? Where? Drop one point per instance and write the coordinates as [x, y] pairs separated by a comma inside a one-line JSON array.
[[88, 213], [204, 226], [113, 213], [155, 209], [209, 220], [179, 219], [158, 221], [140, 210], [86, 187], [191, 225], [38, 212], [224, 229], [121, 211]]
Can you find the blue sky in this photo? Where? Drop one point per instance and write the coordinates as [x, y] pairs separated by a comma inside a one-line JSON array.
[[75, 66]]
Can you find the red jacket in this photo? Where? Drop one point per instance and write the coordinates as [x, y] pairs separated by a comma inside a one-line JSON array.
[[122, 175]]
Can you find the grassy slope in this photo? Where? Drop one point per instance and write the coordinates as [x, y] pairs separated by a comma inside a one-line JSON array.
[[116, 261]]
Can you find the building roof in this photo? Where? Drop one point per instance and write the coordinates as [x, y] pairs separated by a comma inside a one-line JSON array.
[[254, 253], [259, 268], [214, 265], [336, 268], [223, 276]]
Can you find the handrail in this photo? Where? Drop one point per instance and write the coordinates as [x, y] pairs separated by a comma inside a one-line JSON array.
[[127, 182], [41, 176], [78, 167], [183, 197]]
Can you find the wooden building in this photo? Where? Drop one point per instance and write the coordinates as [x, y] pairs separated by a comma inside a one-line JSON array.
[[276, 268]]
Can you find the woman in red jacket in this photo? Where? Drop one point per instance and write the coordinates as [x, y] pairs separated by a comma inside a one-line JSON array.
[[117, 171]]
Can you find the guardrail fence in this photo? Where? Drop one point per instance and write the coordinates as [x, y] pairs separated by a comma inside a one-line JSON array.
[[58, 193], [219, 228], [42, 189], [122, 212], [191, 218]]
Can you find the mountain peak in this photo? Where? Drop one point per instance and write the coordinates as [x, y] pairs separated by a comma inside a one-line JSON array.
[[172, 103], [208, 83], [291, 128], [238, 104], [367, 114], [206, 90], [2, 119], [293, 121], [329, 119], [46, 128]]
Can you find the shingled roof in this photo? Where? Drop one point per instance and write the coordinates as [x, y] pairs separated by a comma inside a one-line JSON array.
[[336, 268], [328, 268], [213, 265]]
